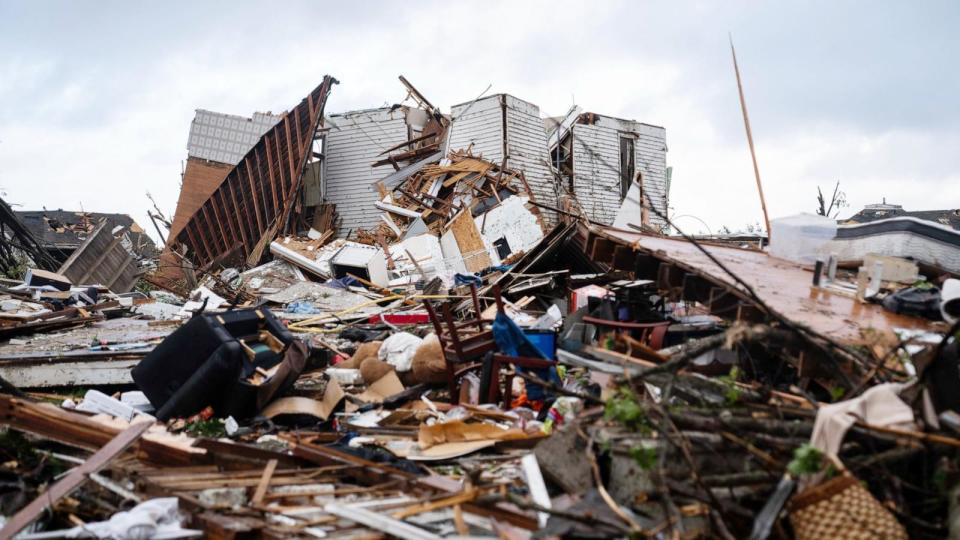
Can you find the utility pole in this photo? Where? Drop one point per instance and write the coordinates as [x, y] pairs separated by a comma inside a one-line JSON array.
[[753, 153]]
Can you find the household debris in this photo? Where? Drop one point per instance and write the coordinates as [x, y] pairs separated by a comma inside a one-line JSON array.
[[479, 359]]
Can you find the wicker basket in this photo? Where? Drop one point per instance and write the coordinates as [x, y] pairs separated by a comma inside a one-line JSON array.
[[841, 508]]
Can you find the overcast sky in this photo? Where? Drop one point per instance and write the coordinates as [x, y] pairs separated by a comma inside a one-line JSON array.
[[96, 98]]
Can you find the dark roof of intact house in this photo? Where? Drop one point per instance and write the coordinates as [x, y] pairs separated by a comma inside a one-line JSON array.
[[875, 212], [67, 229]]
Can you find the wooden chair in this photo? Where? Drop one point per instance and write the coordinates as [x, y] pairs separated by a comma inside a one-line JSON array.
[[467, 342], [651, 334], [464, 343]]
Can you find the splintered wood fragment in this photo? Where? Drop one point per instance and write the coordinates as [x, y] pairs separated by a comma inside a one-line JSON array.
[[66, 485], [381, 241], [460, 498], [459, 522], [264, 482], [415, 263], [382, 190]]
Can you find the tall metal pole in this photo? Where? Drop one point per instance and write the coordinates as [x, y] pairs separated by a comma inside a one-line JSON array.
[[753, 153]]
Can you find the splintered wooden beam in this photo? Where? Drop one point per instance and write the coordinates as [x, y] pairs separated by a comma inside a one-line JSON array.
[[753, 153], [253, 193], [264, 483], [66, 485]]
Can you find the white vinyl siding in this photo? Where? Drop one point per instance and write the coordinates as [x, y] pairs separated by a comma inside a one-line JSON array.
[[354, 142], [596, 166]]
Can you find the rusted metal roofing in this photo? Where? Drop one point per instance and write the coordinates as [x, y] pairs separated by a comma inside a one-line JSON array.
[[256, 197], [782, 285]]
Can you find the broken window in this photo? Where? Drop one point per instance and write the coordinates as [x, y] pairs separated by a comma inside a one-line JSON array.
[[627, 164]]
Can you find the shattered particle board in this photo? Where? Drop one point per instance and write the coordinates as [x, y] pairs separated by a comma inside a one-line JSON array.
[[475, 256]]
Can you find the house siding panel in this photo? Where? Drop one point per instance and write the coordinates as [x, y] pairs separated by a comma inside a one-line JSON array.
[[596, 166], [527, 151], [350, 149], [479, 124], [596, 171]]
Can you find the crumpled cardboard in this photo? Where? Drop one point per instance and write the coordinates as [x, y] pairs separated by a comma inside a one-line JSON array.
[[458, 431], [332, 396]]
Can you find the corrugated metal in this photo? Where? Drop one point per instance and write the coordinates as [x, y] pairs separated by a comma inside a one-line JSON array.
[[596, 166], [226, 138], [354, 142]]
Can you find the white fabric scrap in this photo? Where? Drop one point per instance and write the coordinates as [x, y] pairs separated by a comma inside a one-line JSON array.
[[879, 406], [398, 350]]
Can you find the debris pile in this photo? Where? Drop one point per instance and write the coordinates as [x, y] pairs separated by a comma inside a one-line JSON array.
[[466, 366]]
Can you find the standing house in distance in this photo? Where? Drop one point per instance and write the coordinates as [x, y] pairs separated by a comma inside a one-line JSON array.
[[507, 131], [599, 158], [352, 142]]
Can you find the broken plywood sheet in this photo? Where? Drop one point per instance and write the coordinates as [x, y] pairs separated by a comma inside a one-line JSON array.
[[472, 248]]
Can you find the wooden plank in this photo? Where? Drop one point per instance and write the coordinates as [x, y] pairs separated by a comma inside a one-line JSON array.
[[211, 220], [253, 194], [70, 372], [273, 183], [262, 182], [264, 482], [237, 212], [290, 160], [282, 185], [234, 237], [74, 479], [197, 241], [475, 256]]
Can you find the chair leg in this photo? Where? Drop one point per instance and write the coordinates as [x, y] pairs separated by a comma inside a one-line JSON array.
[[476, 306], [508, 390], [452, 385], [493, 382]]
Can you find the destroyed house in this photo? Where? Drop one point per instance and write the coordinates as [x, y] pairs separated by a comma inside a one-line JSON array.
[[459, 369], [256, 197], [509, 131], [352, 143], [217, 142], [61, 232], [599, 158]]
